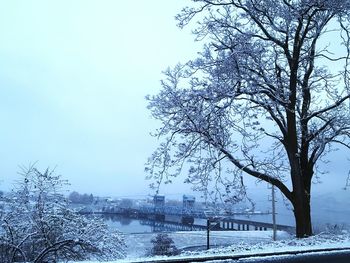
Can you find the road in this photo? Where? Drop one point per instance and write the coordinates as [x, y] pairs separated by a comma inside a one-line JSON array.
[[337, 255], [329, 257]]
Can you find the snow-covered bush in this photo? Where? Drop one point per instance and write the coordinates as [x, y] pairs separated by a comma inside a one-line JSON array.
[[163, 245], [38, 226], [336, 229]]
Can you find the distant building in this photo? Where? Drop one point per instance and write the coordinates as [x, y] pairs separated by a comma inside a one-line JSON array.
[[188, 202], [158, 201], [158, 207]]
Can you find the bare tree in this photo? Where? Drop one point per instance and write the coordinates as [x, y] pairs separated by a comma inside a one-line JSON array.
[[38, 226], [266, 98]]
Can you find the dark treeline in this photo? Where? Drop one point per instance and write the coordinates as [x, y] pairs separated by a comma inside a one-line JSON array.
[[78, 198]]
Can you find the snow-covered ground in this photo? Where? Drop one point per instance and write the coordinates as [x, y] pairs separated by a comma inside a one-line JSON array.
[[139, 244], [234, 243], [320, 241]]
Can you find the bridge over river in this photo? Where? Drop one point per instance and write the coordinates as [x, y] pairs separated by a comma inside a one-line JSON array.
[[188, 217], [217, 224], [170, 219]]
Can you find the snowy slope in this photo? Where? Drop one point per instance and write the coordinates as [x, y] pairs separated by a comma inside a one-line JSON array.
[[250, 242]]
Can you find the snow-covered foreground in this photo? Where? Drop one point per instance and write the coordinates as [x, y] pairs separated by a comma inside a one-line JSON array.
[[234, 243], [139, 244]]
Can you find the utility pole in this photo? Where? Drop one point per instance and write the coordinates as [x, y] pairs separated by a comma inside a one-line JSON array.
[[347, 182], [273, 212], [208, 229]]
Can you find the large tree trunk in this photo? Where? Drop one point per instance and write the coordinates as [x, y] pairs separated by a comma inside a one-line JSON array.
[[302, 214], [301, 174]]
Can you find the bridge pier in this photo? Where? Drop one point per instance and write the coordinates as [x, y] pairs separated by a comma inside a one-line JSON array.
[[228, 225], [232, 225]]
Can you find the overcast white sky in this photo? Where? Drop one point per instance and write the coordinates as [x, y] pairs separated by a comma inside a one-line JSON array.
[[73, 78]]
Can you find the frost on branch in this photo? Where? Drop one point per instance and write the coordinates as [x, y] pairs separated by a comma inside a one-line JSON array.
[[267, 97], [38, 226]]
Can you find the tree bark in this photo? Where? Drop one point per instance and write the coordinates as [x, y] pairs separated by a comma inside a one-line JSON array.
[[301, 174], [302, 214]]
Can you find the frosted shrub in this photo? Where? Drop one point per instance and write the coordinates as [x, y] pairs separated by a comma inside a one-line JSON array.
[[38, 226], [163, 245], [335, 229]]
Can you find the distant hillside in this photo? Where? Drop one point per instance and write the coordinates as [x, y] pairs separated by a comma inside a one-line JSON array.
[[331, 207]]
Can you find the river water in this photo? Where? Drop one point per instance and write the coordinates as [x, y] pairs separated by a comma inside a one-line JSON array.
[[128, 225]]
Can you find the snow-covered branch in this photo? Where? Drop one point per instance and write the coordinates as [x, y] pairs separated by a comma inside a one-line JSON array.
[[264, 93], [39, 226]]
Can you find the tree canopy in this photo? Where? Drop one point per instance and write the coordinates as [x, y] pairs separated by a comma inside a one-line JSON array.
[[268, 97]]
